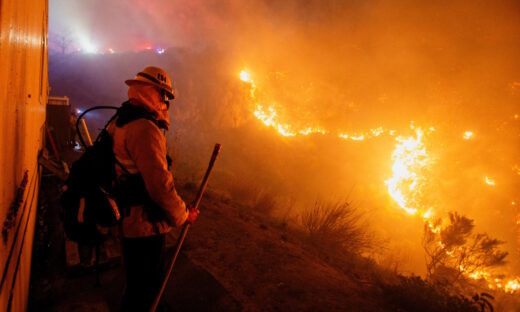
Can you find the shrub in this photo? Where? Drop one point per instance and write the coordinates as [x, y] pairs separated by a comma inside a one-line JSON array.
[[264, 203], [414, 294], [336, 225]]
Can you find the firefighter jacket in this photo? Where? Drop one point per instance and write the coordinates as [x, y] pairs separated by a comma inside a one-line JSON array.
[[140, 147]]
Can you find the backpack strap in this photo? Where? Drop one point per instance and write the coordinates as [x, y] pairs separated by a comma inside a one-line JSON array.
[[125, 115], [128, 113]]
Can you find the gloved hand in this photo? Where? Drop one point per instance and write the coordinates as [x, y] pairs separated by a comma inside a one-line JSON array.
[[192, 215]]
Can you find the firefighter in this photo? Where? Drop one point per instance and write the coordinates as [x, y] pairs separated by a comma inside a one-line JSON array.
[[147, 195]]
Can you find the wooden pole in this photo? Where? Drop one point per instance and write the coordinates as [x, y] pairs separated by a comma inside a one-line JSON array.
[[186, 226], [85, 130]]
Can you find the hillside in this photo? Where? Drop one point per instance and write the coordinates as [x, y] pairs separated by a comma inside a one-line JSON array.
[[265, 268], [239, 255], [233, 260]]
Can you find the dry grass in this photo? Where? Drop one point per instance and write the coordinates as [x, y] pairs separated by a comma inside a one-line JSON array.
[[264, 203], [252, 196], [336, 226]]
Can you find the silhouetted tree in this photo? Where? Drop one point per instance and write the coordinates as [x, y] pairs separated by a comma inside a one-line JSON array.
[[453, 252], [62, 41]]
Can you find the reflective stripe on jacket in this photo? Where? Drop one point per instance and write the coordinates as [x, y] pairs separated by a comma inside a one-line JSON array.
[[141, 147]]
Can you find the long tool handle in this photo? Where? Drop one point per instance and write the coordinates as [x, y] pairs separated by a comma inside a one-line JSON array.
[[186, 226]]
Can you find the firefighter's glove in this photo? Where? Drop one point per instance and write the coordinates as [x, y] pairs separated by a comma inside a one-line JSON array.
[[192, 215]]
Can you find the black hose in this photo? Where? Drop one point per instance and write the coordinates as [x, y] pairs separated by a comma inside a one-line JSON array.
[[89, 110]]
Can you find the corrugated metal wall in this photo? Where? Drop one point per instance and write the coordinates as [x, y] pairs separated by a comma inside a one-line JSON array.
[[23, 97]]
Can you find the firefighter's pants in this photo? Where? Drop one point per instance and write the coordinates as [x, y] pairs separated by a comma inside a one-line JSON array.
[[144, 263]]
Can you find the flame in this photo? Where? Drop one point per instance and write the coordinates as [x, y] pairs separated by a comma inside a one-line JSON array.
[[245, 77], [410, 158], [479, 274], [269, 119], [371, 133], [512, 285], [467, 135], [428, 214], [312, 130], [490, 181]]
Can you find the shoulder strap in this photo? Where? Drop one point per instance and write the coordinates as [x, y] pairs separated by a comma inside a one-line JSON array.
[[128, 113]]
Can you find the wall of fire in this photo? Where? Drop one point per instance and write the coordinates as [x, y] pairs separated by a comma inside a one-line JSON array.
[[23, 96]]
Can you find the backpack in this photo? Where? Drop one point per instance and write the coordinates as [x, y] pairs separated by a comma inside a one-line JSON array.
[[88, 199]]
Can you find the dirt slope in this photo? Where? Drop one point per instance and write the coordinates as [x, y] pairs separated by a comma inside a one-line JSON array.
[[232, 260], [264, 269]]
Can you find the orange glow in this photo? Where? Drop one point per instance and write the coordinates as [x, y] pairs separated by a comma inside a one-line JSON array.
[[516, 169]]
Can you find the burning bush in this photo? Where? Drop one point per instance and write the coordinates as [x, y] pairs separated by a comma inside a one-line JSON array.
[[333, 226], [455, 254]]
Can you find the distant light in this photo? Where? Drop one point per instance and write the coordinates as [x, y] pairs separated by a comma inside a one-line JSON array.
[[467, 135], [148, 47], [87, 46], [79, 111], [516, 116], [111, 51], [159, 50], [490, 181], [244, 76]]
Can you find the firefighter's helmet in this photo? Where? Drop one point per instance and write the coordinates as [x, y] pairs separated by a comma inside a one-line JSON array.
[[154, 76]]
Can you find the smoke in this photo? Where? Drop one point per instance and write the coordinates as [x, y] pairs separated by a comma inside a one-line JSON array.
[[343, 65]]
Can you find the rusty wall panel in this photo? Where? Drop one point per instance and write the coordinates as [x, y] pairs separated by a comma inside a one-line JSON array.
[[23, 97]]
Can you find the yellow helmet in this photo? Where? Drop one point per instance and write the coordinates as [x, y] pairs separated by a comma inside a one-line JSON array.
[[154, 76]]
